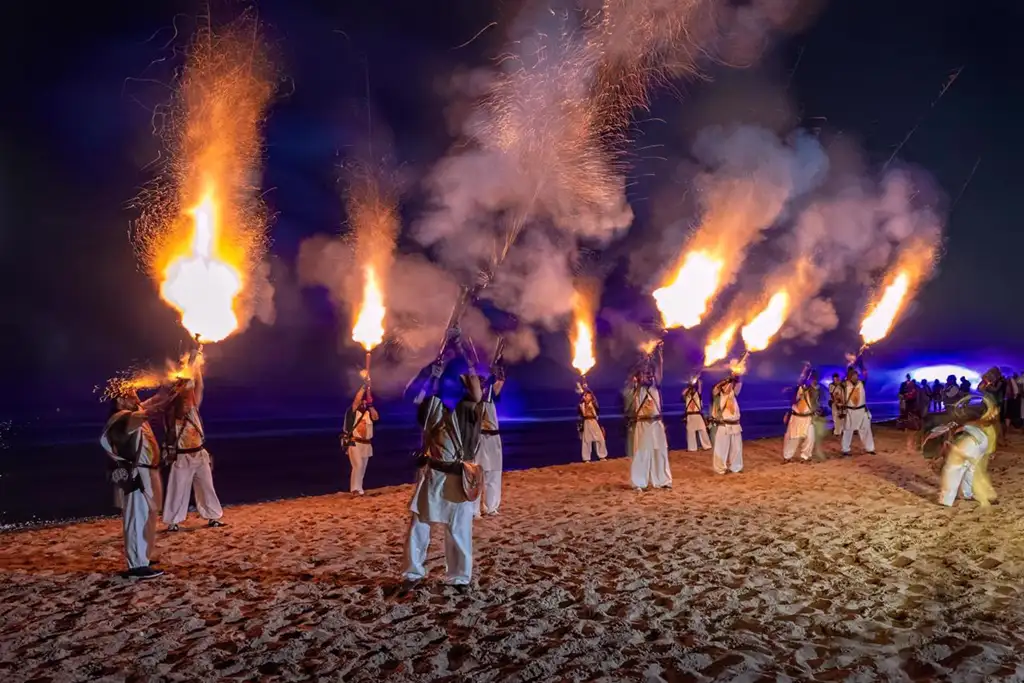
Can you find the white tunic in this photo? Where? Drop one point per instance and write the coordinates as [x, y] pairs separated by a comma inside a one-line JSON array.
[[729, 410], [649, 434], [437, 496], [799, 425], [694, 409], [149, 454]]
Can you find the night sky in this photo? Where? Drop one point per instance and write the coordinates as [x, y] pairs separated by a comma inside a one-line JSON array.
[[76, 137]]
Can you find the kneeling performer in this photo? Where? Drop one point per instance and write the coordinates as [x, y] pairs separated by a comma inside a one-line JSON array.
[[968, 450]]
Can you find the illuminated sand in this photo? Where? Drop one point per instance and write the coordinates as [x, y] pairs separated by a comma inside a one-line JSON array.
[[833, 571]]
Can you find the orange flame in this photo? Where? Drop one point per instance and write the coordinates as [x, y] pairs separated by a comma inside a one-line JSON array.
[[914, 265], [879, 321], [199, 284], [583, 347], [759, 332], [583, 337], [369, 326], [684, 301], [719, 345]]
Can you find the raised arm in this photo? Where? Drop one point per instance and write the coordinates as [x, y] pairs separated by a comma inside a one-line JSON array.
[[358, 398]]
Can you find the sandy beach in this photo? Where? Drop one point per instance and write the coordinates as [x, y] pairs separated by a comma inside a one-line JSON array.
[[840, 570]]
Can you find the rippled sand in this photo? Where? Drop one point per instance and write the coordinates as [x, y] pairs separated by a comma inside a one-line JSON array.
[[841, 570]]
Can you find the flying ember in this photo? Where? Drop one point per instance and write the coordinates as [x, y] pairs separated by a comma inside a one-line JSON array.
[[201, 286], [583, 347], [759, 332], [718, 347], [881, 318], [369, 326], [685, 300]]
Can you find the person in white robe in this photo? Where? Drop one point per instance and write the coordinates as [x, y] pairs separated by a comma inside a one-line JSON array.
[[727, 451], [357, 439], [649, 466], [129, 441], [589, 426], [836, 399], [858, 417], [696, 428], [447, 482], [489, 454], [191, 469], [800, 432]]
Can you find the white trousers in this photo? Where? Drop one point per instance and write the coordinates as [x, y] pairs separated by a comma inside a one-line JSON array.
[[490, 495], [458, 547], [696, 433], [858, 421], [590, 444], [359, 455], [649, 463], [728, 450], [191, 471], [837, 425], [799, 438], [139, 512], [957, 477]]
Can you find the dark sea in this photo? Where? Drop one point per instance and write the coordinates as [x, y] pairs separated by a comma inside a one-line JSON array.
[[54, 469]]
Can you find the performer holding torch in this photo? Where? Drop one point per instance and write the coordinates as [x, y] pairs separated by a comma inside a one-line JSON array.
[[357, 439], [858, 417], [185, 450], [647, 443], [448, 481], [489, 453], [696, 427], [837, 402], [591, 432], [368, 331], [800, 433], [728, 442]]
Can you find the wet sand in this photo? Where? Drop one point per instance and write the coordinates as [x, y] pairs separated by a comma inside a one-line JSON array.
[[841, 570]]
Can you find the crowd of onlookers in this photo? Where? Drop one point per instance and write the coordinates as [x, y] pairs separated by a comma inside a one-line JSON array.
[[918, 398]]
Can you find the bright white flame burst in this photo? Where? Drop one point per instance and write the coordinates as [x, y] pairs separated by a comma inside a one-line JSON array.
[[878, 323], [758, 333], [369, 327], [203, 288], [685, 300]]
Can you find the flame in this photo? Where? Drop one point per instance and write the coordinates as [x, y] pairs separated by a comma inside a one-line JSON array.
[[200, 285], [583, 348], [369, 326], [684, 301], [583, 339], [882, 316], [759, 332], [718, 347], [648, 346], [915, 263]]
